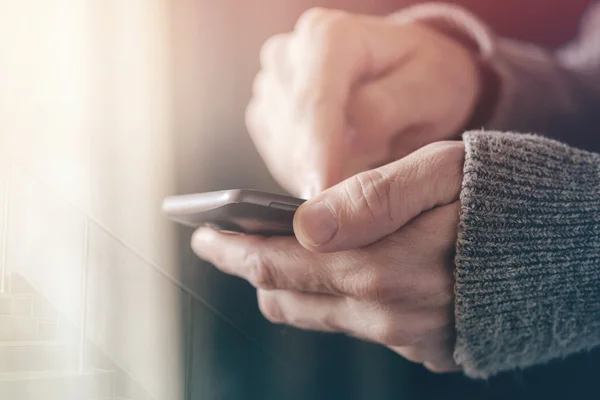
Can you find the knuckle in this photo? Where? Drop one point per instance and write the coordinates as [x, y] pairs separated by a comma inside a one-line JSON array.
[[269, 307], [322, 46], [258, 85], [390, 333], [262, 272], [294, 318], [373, 286], [311, 17], [370, 191], [314, 18], [330, 323], [269, 49], [325, 27], [440, 286], [334, 27], [363, 289]]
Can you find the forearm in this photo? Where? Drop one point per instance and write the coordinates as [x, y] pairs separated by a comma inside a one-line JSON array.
[[556, 95], [528, 253]]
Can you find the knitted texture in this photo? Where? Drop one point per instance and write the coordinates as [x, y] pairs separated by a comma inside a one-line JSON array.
[[528, 253]]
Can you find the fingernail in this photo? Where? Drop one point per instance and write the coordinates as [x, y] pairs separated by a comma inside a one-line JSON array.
[[317, 223]]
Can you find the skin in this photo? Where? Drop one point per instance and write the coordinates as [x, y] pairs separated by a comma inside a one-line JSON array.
[[385, 274], [336, 102], [344, 93]]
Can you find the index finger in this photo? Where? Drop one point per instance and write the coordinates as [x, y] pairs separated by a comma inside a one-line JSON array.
[[272, 263], [333, 50], [327, 62]]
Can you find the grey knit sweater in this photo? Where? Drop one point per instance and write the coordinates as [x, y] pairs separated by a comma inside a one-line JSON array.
[[528, 251]]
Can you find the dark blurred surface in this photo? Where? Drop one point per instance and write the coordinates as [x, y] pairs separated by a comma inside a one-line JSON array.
[[242, 356]]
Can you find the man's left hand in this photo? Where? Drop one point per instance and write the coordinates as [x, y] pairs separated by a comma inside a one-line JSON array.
[[373, 258]]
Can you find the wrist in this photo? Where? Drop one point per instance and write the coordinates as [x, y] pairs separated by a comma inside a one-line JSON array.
[[474, 36], [484, 97]]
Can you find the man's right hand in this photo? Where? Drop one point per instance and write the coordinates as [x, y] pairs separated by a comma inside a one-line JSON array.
[[343, 93]]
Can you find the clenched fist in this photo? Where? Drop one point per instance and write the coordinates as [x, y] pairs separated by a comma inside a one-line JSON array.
[[343, 93]]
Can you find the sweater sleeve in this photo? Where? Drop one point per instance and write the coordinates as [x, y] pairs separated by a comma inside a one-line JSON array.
[[528, 253], [554, 94]]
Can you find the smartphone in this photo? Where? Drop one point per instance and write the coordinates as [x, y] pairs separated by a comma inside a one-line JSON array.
[[240, 211]]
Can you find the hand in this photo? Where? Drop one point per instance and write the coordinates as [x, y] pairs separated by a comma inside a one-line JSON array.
[[344, 93], [377, 261]]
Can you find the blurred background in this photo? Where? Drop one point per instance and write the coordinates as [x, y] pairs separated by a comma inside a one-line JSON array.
[[107, 106]]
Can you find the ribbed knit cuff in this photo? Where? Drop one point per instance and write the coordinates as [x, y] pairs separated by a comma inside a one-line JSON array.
[[528, 253]]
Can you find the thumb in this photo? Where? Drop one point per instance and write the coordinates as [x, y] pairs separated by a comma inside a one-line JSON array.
[[373, 204]]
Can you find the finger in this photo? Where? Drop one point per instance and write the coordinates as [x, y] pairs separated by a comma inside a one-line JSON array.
[[336, 314], [431, 350], [264, 113], [443, 366], [273, 263], [373, 204], [332, 50], [260, 85], [275, 61], [310, 311], [425, 261], [267, 90], [274, 55], [319, 92]]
